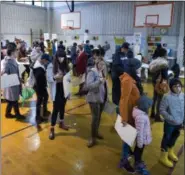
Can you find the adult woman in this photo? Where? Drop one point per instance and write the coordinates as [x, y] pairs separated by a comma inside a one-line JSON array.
[[11, 94], [96, 97], [60, 68], [162, 74], [131, 89]]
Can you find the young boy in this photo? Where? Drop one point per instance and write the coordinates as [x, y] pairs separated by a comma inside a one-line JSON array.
[[172, 109], [40, 86]]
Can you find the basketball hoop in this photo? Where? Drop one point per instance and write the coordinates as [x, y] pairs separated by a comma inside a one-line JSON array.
[[68, 28], [152, 25]]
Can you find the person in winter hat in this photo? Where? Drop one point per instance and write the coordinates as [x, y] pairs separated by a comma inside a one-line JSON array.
[[142, 124], [172, 110], [40, 87]]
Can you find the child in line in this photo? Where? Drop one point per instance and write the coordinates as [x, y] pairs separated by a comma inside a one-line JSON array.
[[172, 109], [142, 124]]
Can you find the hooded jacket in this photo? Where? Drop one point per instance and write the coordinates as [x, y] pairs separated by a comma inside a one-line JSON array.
[[142, 124], [129, 97]]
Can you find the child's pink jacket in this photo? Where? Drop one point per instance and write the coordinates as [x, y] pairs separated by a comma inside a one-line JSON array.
[[142, 124]]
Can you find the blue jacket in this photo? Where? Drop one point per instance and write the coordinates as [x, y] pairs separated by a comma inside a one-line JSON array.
[[172, 108], [87, 49]]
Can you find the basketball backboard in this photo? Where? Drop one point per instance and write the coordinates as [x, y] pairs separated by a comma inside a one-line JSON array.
[[153, 15], [71, 20]]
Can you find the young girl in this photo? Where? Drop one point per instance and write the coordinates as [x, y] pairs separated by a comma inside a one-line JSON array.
[[142, 124], [172, 109], [11, 94], [59, 70]]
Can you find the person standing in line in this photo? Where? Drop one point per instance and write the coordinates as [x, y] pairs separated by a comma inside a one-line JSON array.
[[144, 136], [11, 94], [95, 98], [36, 53], [172, 109], [81, 64], [87, 48], [118, 68], [162, 75], [60, 69], [131, 89], [73, 57], [40, 88]]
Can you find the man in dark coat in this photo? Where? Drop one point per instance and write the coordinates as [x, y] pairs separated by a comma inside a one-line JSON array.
[[118, 68]]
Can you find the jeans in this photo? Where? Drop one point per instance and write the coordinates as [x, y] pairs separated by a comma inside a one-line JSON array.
[[96, 111], [57, 111], [42, 99], [171, 134]]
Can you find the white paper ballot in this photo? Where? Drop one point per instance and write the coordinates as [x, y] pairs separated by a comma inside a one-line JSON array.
[[127, 133], [9, 80], [66, 84]]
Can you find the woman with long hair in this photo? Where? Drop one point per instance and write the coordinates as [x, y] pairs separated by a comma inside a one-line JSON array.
[[60, 69]]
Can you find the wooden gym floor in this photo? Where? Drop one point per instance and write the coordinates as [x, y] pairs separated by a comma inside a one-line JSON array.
[[27, 152]]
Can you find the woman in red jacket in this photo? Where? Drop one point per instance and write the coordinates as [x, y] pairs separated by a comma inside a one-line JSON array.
[[81, 64]]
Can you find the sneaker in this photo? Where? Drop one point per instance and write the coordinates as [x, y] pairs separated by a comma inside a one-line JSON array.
[[125, 164], [141, 169]]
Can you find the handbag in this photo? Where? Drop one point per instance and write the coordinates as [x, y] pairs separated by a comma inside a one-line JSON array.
[[161, 86]]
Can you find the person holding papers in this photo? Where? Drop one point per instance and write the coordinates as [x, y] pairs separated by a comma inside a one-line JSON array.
[[131, 89], [60, 69], [11, 94]]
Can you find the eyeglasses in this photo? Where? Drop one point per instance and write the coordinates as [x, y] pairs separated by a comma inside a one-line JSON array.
[[177, 86]]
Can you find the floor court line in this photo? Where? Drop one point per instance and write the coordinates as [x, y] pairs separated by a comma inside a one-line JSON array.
[[19, 130]]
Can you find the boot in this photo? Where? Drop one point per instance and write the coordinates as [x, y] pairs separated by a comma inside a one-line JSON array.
[[164, 160], [63, 126], [91, 143], [141, 169], [52, 134], [172, 155]]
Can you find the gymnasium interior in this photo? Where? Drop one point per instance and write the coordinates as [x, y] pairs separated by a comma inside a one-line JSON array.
[[25, 150]]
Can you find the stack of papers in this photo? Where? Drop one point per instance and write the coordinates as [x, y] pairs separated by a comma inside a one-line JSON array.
[[127, 133]]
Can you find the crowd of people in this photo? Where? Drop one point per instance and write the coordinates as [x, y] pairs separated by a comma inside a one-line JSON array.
[[46, 71]]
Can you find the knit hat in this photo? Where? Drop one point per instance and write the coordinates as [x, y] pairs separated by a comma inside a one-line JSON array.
[[125, 45], [45, 57], [144, 103], [174, 81]]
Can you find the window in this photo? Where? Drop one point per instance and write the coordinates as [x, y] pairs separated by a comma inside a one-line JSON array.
[[38, 3]]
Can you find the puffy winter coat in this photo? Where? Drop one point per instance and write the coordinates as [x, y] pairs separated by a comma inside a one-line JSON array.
[[142, 124]]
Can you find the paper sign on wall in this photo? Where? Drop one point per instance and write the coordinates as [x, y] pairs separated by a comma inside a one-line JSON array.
[[46, 36], [54, 36], [137, 38]]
